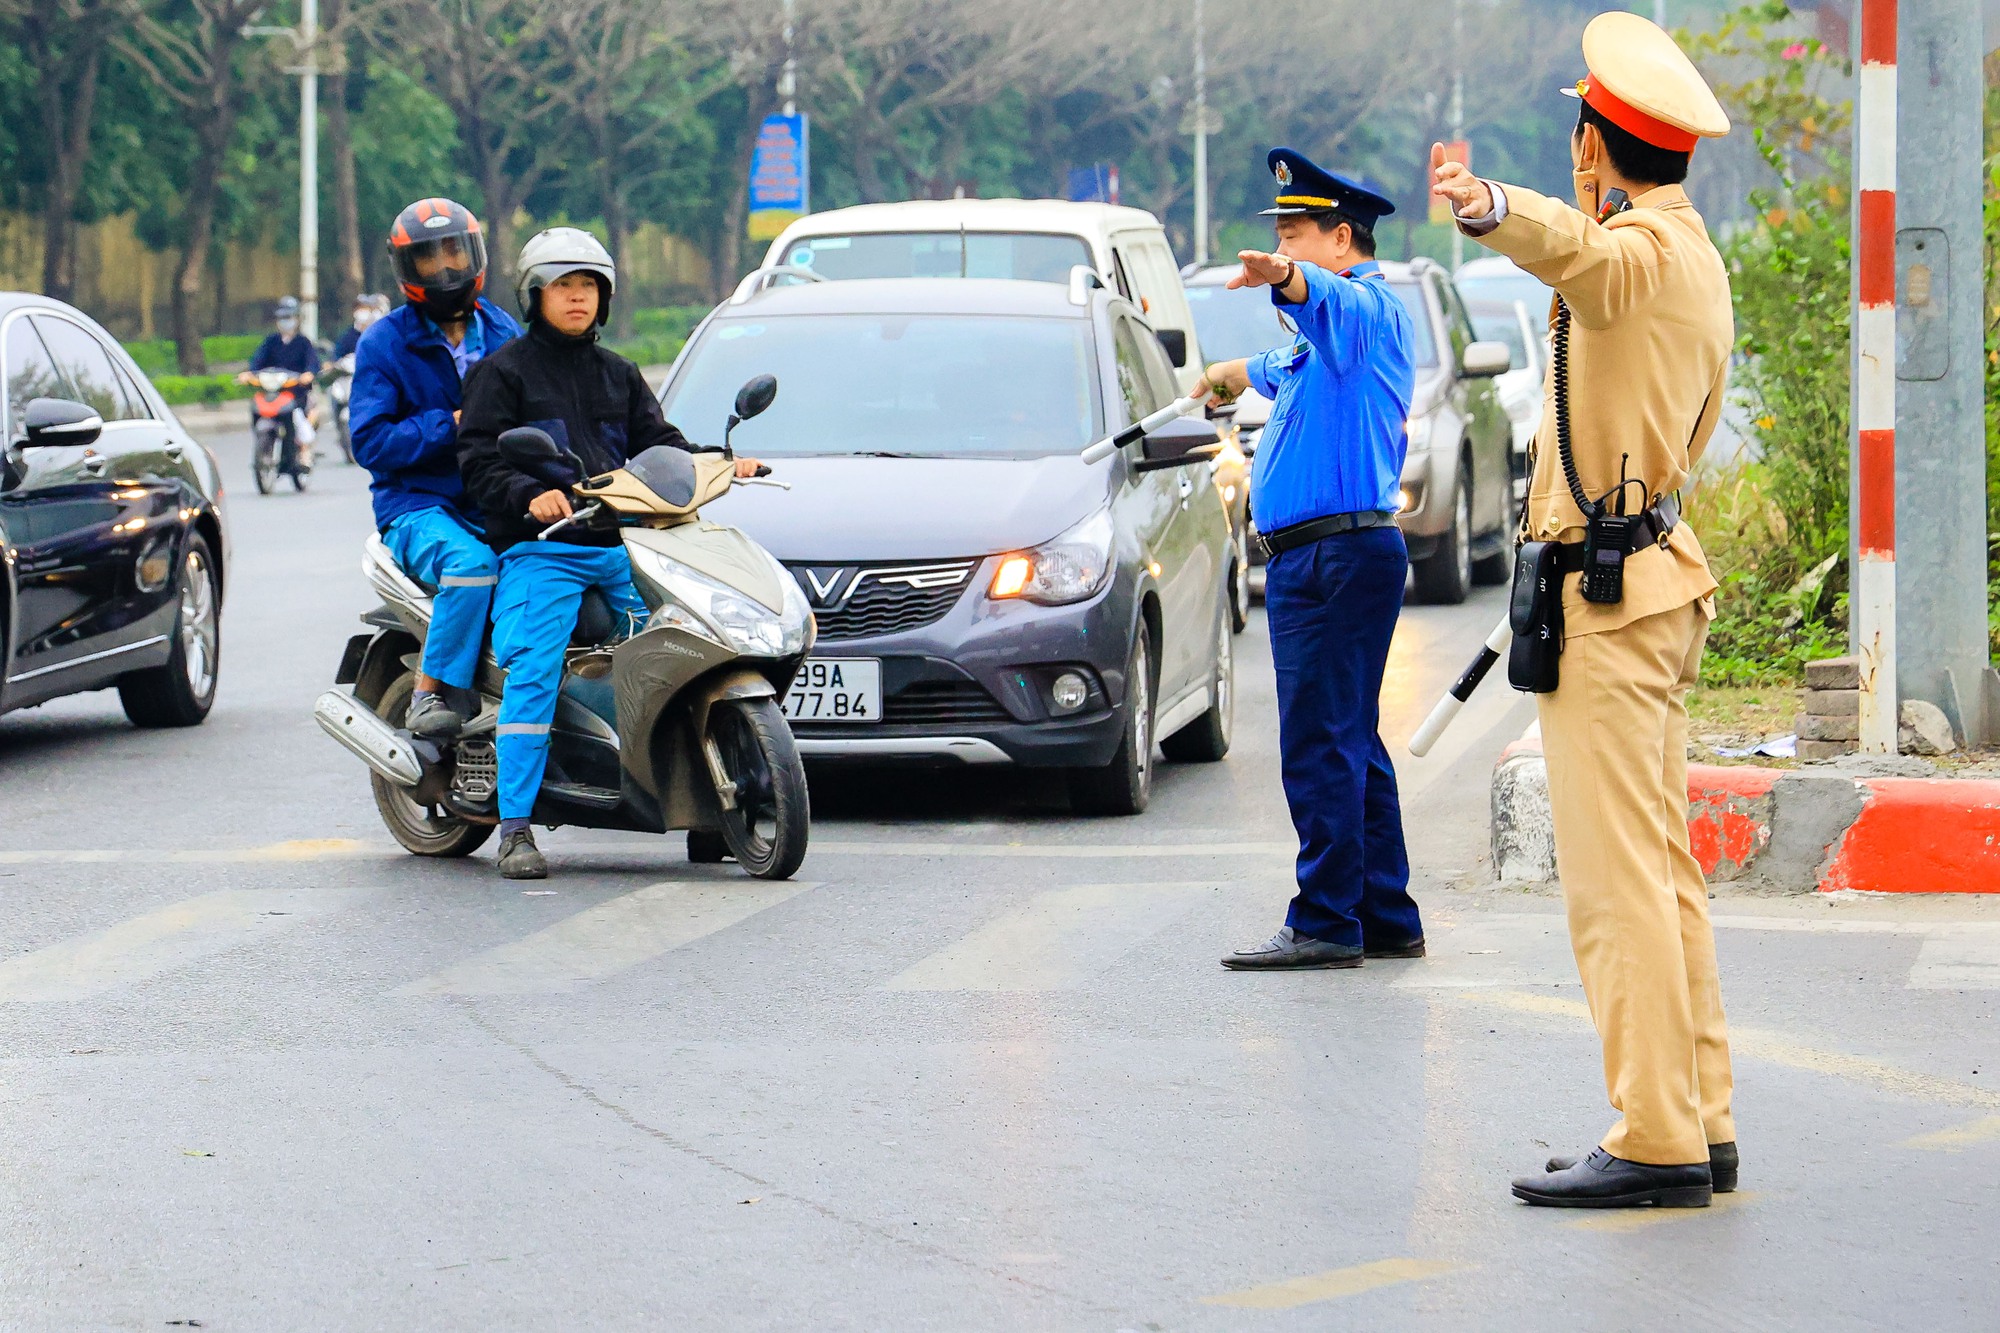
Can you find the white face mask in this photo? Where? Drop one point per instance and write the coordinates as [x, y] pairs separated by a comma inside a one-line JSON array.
[[288, 327], [363, 318]]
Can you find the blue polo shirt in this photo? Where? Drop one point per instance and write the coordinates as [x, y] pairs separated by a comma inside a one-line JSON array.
[[1340, 399]]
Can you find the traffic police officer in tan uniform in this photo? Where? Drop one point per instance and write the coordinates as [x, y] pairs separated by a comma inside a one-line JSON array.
[[1643, 298]]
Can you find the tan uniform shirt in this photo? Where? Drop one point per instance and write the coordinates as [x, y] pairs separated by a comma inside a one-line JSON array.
[[1650, 333]]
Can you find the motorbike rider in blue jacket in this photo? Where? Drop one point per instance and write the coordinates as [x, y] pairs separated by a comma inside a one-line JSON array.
[[596, 404], [409, 371]]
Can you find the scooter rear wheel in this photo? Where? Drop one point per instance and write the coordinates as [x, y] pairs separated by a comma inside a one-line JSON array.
[[264, 459], [767, 830], [422, 830]]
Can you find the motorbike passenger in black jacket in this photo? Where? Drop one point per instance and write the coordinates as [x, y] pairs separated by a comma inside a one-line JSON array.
[[596, 403]]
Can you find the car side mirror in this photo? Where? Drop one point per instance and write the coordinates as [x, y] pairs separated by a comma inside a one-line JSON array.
[[1483, 360], [1174, 341], [1179, 443], [532, 450], [53, 421]]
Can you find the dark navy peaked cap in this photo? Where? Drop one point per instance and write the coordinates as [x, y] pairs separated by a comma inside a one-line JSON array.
[[1304, 187]]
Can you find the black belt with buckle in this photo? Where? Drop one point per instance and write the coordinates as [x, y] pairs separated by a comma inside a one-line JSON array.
[[1310, 531]]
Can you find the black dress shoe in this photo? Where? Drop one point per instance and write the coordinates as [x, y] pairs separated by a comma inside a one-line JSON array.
[[1414, 949], [1289, 950], [1603, 1181], [1722, 1164]]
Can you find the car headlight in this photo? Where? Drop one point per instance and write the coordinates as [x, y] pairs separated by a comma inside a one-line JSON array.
[[1067, 568], [1419, 431], [721, 613]]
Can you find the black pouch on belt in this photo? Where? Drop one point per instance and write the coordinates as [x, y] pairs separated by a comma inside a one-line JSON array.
[[1535, 614]]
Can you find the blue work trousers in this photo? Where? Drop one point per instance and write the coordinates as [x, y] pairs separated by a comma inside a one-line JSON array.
[[1332, 608], [541, 586], [442, 549]]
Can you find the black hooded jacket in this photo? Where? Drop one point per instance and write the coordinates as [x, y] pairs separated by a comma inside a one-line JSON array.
[[590, 399]]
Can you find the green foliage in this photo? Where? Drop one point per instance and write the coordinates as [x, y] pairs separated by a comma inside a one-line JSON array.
[[659, 334], [184, 390], [156, 356]]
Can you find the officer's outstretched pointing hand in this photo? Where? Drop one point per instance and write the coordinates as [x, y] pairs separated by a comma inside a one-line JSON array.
[[1468, 194], [1261, 269]]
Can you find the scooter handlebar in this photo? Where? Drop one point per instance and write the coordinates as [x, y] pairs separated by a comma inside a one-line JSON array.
[[588, 511]]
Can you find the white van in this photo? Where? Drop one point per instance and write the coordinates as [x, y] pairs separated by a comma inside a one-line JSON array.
[[1034, 239]]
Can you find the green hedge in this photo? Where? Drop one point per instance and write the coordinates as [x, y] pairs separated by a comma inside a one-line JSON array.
[[156, 356], [182, 390], [659, 333]]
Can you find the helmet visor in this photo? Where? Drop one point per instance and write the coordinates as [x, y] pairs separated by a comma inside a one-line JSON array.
[[441, 263]]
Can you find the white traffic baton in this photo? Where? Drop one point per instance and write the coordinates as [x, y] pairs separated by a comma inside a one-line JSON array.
[[1138, 430], [1454, 698]]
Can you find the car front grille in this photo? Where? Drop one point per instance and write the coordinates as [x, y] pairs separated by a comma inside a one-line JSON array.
[[861, 603], [942, 703]]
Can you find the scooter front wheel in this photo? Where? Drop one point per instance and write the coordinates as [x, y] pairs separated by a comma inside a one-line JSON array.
[[264, 459], [767, 830]]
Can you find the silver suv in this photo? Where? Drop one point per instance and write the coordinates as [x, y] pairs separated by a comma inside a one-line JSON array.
[[1457, 495]]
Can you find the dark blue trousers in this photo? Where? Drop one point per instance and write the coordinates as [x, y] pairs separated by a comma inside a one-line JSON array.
[[1332, 608]]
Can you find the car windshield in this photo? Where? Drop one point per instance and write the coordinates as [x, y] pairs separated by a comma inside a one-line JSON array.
[[931, 386], [941, 254], [1243, 322], [1504, 289], [1501, 324]]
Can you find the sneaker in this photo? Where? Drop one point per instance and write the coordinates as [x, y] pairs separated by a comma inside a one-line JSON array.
[[431, 717], [520, 858]]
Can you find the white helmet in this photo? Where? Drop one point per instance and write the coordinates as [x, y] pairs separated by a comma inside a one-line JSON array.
[[551, 254]]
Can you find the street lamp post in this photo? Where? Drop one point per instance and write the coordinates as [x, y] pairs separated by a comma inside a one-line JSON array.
[[1200, 138], [303, 39]]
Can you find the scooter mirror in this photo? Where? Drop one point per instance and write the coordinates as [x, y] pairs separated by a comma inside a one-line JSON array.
[[534, 451], [756, 394]]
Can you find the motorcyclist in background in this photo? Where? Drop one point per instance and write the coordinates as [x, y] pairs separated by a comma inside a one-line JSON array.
[[285, 348], [403, 416], [368, 307], [597, 404]]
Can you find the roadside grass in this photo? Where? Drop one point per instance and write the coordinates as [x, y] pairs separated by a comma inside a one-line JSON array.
[[156, 355], [188, 390], [659, 333]]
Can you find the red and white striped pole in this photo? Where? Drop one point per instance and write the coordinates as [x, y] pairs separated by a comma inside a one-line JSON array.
[[1874, 394]]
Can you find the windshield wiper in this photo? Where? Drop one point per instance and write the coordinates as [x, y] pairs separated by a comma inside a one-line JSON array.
[[887, 453]]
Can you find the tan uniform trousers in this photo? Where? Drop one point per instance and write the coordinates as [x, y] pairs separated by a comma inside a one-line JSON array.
[[1615, 734]]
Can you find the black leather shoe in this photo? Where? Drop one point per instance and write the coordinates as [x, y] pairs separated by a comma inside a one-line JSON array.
[[1722, 1164], [1603, 1181], [1414, 949], [520, 858], [1290, 950]]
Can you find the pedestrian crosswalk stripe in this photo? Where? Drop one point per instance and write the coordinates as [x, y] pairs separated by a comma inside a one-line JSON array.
[[173, 936], [1331, 1285], [1057, 939], [1964, 957], [298, 849], [607, 939], [1637, 1219]]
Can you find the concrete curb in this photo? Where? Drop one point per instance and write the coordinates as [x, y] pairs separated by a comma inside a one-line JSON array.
[[1785, 829]]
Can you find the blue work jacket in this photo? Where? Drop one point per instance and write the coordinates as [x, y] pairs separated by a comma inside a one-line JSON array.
[[1340, 399], [406, 387]]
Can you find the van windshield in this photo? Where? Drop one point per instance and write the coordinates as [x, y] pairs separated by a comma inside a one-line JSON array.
[[930, 386], [1030, 256]]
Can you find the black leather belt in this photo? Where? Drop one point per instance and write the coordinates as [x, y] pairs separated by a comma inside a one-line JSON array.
[[1651, 530], [1310, 531]]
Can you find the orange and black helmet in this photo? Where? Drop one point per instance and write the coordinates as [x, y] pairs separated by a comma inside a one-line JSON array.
[[439, 254]]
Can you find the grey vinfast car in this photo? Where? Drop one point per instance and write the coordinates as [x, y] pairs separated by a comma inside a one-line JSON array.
[[983, 595]]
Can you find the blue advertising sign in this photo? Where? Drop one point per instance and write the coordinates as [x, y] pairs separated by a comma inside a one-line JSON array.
[[1093, 185], [780, 176]]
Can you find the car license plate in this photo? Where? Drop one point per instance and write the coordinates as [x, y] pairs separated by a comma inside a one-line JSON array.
[[836, 689]]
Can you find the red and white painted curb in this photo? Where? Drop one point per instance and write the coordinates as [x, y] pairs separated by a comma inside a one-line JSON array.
[[1800, 829]]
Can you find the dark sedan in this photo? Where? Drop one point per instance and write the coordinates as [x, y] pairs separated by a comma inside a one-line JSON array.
[[983, 595], [111, 520]]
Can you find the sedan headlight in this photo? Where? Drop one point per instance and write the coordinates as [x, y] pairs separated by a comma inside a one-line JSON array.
[[1066, 569], [722, 613], [1419, 431]]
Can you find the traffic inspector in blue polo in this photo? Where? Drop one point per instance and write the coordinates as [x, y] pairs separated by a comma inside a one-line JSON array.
[[1325, 494]]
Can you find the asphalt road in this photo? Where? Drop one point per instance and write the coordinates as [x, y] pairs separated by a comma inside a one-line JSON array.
[[975, 1069]]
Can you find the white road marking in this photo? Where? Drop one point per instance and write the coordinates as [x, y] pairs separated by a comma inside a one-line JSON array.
[[160, 941], [1962, 957], [1332, 1285], [1059, 851], [300, 849], [1489, 952], [1057, 939], [607, 939]]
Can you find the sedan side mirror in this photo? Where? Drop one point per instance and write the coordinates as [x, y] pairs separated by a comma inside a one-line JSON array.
[[1175, 343], [53, 421], [1483, 360], [1179, 443]]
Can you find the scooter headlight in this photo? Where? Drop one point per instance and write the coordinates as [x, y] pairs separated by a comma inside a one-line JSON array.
[[727, 616]]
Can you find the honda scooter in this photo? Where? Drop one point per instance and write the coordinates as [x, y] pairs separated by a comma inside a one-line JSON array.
[[676, 725], [277, 449], [340, 388]]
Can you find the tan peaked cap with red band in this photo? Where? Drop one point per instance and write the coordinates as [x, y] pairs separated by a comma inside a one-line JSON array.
[[1644, 84]]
